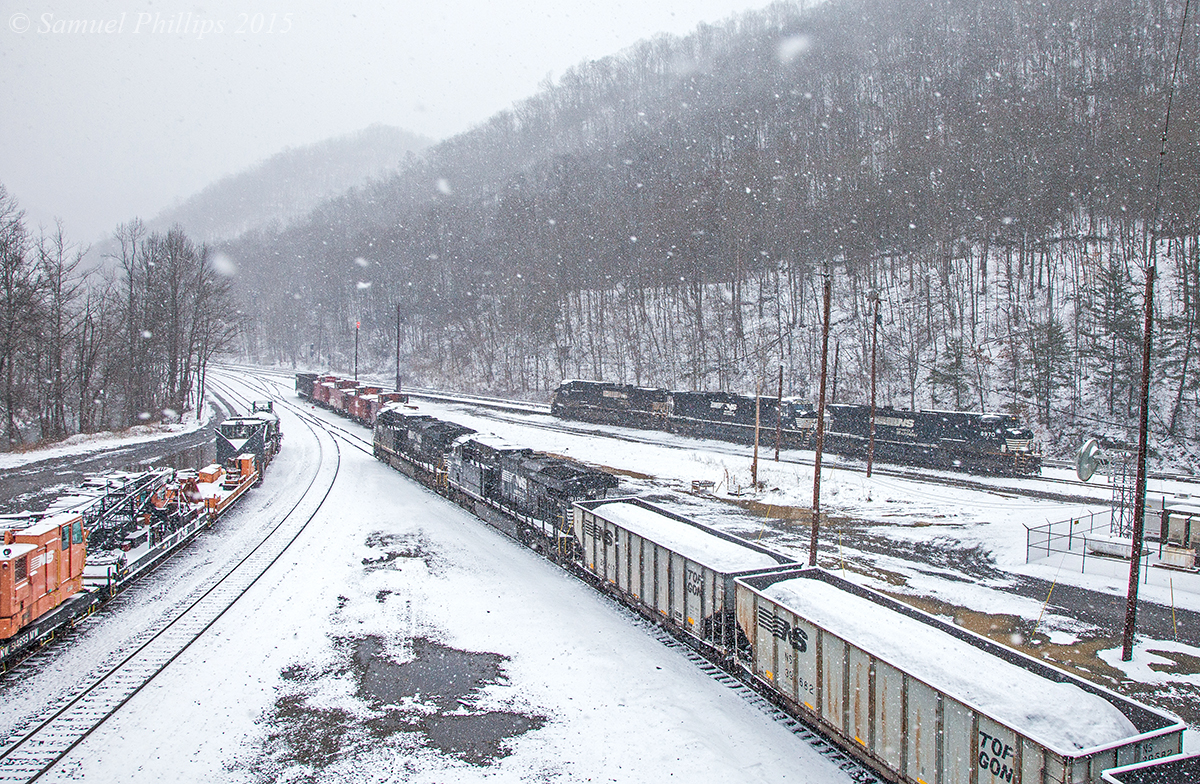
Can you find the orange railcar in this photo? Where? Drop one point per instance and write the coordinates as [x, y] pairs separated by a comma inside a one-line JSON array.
[[41, 566]]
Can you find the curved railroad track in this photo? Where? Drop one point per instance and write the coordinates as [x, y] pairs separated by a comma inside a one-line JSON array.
[[518, 413], [52, 736], [736, 681]]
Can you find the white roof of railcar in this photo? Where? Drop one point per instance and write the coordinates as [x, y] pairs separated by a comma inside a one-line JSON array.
[[1059, 715], [688, 540]]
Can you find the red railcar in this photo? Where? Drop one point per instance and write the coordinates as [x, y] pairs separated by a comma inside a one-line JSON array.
[[342, 388], [322, 389], [375, 403], [358, 404]]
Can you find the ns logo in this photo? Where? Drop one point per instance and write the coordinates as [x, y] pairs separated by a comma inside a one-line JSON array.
[[782, 629], [599, 532]]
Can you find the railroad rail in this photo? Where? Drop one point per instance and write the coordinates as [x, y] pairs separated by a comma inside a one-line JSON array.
[[68, 723], [731, 678]]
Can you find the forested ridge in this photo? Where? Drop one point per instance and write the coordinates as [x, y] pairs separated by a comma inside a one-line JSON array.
[[666, 216], [288, 184], [88, 349]]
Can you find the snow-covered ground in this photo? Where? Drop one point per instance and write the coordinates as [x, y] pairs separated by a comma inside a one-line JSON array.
[[961, 547], [402, 639]]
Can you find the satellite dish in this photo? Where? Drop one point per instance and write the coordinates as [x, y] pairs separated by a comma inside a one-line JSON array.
[[1087, 459]]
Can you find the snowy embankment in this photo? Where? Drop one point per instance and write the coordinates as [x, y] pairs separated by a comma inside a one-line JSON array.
[[88, 443]]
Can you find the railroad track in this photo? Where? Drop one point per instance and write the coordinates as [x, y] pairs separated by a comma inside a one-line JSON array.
[[736, 682], [351, 438], [501, 404], [517, 413], [52, 736], [945, 479]]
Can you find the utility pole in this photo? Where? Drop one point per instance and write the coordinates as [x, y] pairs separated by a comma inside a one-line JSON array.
[[1139, 491], [779, 415], [874, 298], [356, 325], [820, 445], [837, 354], [757, 424], [397, 346]]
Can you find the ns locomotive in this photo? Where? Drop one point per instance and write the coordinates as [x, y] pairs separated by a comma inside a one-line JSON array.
[[914, 720], [979, 442], [527, 494]]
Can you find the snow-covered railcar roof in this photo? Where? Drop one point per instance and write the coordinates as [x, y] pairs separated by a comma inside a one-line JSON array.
[[1060, 715], [690, 540]]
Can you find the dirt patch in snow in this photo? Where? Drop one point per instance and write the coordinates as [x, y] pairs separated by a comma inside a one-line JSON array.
[[395, 549], [436, 693], [427, 698]]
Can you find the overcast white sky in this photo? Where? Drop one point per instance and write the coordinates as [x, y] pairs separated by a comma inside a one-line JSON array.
[[155, 100]]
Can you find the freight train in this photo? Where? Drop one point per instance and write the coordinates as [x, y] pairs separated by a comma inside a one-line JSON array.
[[955, 709], [976, 442], [360, 402], [528, 494], [59, 565]]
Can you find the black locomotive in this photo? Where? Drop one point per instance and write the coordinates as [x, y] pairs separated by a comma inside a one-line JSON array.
[[981, 442], [256, 433], [527, 494], [986, 443]]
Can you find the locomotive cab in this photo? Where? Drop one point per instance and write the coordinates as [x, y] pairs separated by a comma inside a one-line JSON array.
[[41, 566], [1005, 433]]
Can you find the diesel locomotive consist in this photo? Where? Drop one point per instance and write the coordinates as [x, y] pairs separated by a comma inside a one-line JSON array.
[[528, 494], [965, 711], [977, 442]]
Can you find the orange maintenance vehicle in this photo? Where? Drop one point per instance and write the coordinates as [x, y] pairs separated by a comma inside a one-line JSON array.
[[59, 564], [41, 566]]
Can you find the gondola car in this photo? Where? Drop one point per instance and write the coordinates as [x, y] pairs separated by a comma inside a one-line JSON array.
[[365, 408], [340, 393], [360, 402], [304, 385]]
